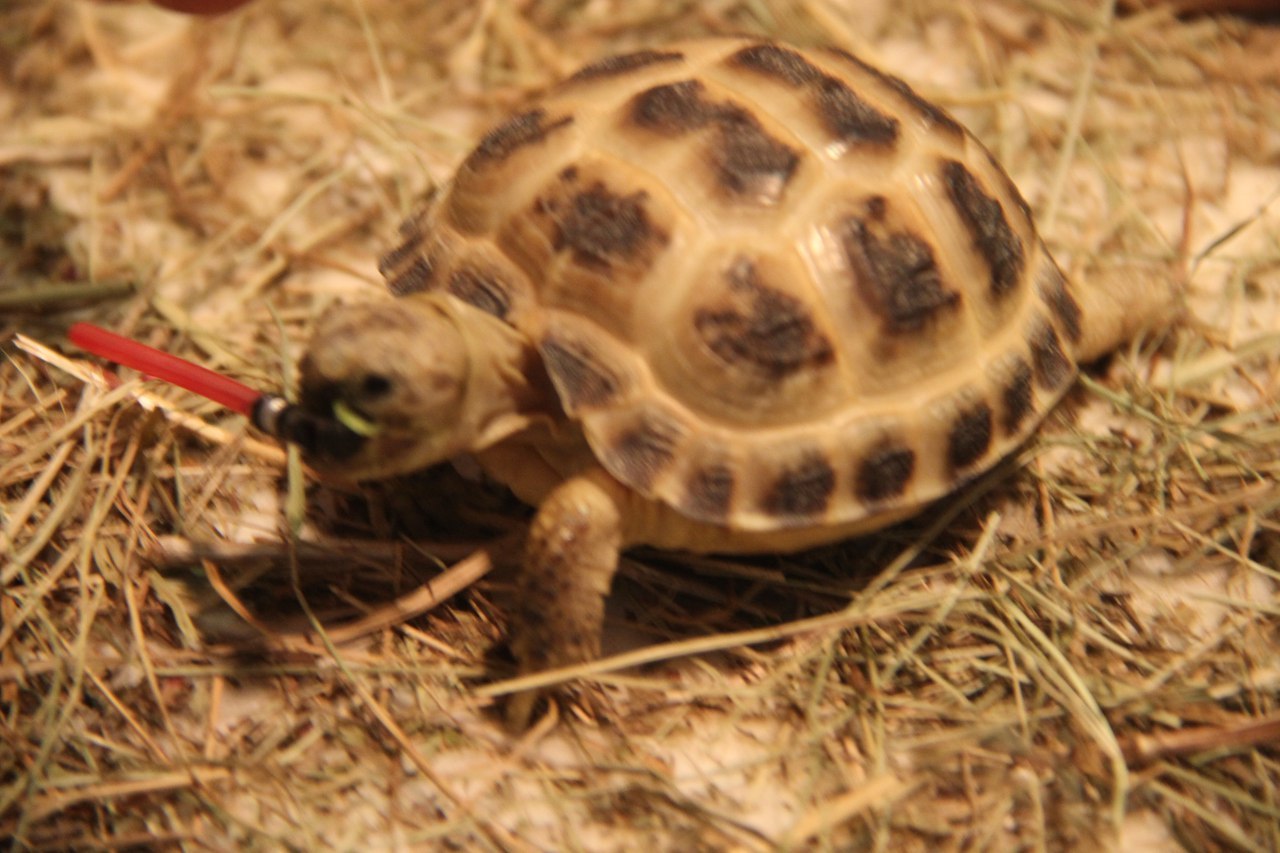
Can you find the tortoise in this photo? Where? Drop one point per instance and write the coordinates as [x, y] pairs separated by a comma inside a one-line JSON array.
[[721, 296]]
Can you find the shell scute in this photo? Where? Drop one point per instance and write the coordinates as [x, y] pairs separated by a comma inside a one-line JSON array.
[[527, 128], [884, 472], [970, 436], [482, 288], [1053, 368], [802, 489], [1017, 396], [592, 235], [761, 330], [577, 369], [623, 63], [848, 119], [747, 344], [603, 229], [708, 492], [936, 118], [644, 450], [1052, 286], [747, 161], [984, 217], [895, 272]]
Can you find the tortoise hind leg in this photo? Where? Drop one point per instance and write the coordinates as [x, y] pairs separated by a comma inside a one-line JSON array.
[[1118, 304], [570, 559]]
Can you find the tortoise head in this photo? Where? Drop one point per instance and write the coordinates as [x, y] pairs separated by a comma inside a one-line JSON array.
[[384, 388]]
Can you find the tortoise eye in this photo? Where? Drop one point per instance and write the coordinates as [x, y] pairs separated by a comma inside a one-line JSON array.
[[374, 385]]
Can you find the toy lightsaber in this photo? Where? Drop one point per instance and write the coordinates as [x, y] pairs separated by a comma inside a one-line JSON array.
[[270, 413]]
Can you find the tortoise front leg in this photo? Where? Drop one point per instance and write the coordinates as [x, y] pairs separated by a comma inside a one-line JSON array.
[[570, 558]]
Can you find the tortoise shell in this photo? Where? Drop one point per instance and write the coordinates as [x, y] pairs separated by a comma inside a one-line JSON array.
[[776, 288]]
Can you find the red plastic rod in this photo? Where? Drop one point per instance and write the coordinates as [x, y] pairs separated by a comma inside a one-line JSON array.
[[212, 386]]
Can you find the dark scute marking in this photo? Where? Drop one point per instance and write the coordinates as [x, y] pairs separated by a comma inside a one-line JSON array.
[[851, 119], [984, 218], [876, 206], [1017, 397], [846, 116], [641, 453], [709, 492], [748, 161], [1052, 367], [930, 111], [516, 132], [410, 244], [674, 108], [614, 66], [970, 436], [602, 228], [482, 290], [413, 278], [935, 114], [579, 376], [778, 62], [803, 489], [411, 228], [896, 275], [884, 473], [1053, 289], [766, 331]]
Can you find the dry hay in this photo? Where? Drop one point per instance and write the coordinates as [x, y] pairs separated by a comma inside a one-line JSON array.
[[1080, 649]]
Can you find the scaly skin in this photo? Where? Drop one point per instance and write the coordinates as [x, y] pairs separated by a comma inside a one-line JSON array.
[[570, 558]]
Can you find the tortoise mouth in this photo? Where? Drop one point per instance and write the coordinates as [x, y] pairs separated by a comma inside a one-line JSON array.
[[313, 427]]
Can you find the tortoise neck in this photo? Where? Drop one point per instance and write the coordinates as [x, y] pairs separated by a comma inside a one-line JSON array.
[[507, 388]]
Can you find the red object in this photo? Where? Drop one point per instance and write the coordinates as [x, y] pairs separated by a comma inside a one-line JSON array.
[[212, 386]]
